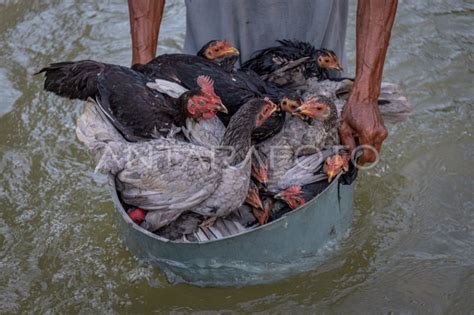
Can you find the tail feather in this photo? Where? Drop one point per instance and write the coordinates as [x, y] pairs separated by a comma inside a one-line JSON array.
[[73, 79], [306, 170], [104, 141], [393, 105]]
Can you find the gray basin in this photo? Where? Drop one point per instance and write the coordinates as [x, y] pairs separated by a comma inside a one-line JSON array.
[[296, 242]]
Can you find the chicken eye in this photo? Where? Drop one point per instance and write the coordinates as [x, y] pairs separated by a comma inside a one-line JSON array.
[[202, 102], [260, 117]]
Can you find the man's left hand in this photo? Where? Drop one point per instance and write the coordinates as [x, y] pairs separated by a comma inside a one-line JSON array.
[[365, 122]]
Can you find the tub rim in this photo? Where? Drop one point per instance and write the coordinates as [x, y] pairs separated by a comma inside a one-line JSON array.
[[128, 220]]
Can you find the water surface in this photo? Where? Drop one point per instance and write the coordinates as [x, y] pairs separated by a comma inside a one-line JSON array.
[[412, 244]]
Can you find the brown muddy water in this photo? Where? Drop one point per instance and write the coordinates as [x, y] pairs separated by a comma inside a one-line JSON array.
[[411, 249]]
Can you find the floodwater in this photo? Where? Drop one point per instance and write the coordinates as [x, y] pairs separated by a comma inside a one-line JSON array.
[[411, 249]]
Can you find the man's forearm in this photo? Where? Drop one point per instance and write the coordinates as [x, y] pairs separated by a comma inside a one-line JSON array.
[[374, 24], [145, 20]]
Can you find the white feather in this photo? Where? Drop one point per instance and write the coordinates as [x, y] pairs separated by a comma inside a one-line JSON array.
[[169, 88]]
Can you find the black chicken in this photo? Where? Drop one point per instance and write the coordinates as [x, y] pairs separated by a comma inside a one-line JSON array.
[[292, 62], [234, 88], [136, 110], [221, 52]]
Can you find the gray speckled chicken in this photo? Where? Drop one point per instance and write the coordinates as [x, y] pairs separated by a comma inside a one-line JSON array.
[[278, 154], [323, 130], [166, 176], [299, 138]]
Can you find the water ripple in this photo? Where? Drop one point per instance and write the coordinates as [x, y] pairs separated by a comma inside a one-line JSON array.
[[410, 248]]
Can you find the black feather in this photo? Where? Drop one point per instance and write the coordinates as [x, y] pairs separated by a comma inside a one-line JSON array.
[[234, 89], [137, 111], [75, 80], [267, 61]]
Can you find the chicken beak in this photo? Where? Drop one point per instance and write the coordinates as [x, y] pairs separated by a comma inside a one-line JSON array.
[[331, 173], [338, 67], [260, 175], [254, 200], [221, 108], [274, 109], [231, 51], [261, 215], [345, 165], [302, 111], [266, 112], [332, 169]]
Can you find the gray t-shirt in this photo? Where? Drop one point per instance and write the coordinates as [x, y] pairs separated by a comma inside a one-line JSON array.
[[251, 25]]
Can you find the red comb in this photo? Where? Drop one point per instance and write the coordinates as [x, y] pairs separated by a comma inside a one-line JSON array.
[[206, 84], [268, 101], [137, 215]]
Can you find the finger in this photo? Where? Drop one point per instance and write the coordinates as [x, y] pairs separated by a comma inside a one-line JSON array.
[[368, 155], [381, 135], [347, 137]]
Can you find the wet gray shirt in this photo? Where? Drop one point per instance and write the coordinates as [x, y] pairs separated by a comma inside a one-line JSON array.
[[251, 25]]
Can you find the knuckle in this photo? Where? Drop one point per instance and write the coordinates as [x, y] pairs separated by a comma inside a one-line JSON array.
[[383, 133], [379, 138], [370, 134], [377, 135]]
